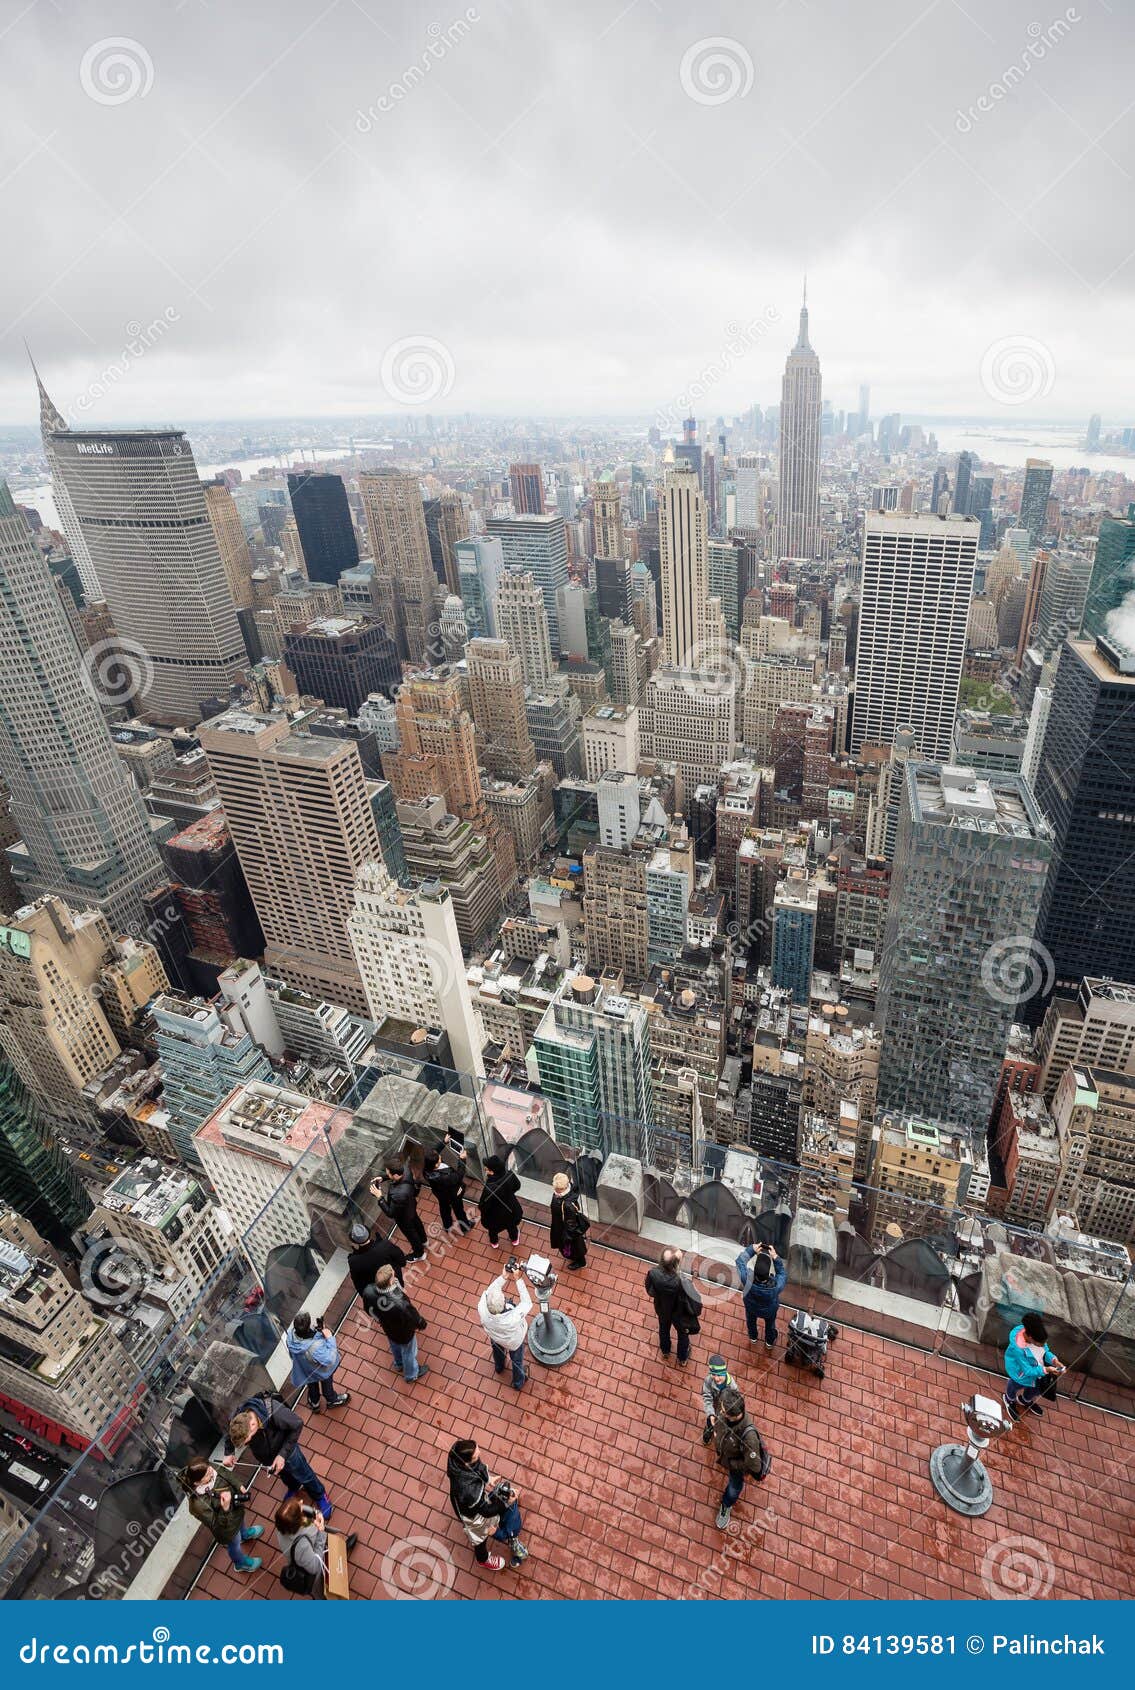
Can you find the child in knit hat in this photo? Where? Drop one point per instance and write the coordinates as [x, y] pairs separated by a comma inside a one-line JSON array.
[[718, 1379]]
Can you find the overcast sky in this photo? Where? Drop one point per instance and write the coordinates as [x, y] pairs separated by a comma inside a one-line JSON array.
[[574, 209]]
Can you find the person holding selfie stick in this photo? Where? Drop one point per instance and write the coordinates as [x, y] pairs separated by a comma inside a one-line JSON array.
[[487, 1507]]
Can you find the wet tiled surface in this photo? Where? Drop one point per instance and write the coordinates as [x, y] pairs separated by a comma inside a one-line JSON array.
[[619, 1495]]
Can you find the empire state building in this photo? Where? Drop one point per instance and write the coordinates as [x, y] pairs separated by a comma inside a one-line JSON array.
[[798, 518]]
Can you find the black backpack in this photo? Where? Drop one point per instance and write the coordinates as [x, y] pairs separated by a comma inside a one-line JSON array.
[[296, 1579]]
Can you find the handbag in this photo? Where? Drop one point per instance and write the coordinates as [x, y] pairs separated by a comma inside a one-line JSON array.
[[581, 1223], [687, 1311], [296, 1579]]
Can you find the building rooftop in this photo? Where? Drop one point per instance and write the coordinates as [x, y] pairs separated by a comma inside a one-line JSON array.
[[619, 1495]]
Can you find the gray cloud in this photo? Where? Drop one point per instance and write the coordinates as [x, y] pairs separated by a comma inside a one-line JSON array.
[[534, 187]]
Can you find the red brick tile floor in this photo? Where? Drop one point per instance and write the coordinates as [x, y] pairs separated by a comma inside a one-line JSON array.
[[619, 1495]]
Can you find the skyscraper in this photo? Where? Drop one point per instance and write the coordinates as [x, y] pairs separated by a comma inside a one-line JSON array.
[[1109, 608], [967, 463], [51, 423], [607, 521], [1034, 498], [323, 519], [203, 1059], [522, 620], [1086, 788], [496, 696], [409, 955], [527, 484], [970, 864], [141, 510], [480, 565], [301, 818], [342, 660], [798, 512], [35, 1176], [400, 548], [446, 525], [683, 534], [537, 543], [232, 543], [86, 835], [917, 583]]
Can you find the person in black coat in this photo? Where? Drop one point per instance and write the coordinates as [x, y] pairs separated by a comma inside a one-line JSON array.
[[398, 1198], [676, 1303], [569, 1223], [400, 1321], [368, 1254], [487, 1508], [448, 1186], [499, 1203]]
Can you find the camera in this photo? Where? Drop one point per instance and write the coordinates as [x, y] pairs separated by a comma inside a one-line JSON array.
[[512, 1265], [501, 1492]]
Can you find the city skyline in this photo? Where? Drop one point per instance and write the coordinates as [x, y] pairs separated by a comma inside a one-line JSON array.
[[190, 192]]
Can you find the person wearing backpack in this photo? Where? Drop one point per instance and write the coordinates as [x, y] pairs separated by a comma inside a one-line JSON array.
[[676, 1303], [740, 1450], [302, 1539], [570, 1225], [270, 1431]]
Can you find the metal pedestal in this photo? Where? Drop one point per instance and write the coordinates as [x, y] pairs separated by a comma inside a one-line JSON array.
[[960, 1479]]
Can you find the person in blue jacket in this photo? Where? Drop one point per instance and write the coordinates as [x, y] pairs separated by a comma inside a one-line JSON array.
[[315, 1356], [762, 1275], [1031, 1366]]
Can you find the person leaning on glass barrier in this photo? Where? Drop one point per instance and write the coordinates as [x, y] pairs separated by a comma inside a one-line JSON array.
[[270, 1431]]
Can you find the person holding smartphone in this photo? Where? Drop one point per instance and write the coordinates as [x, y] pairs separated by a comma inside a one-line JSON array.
[[1031, 1367]]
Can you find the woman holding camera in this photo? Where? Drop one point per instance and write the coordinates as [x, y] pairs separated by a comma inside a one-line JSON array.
[[302, 1537], [216, 1499], [488, 1508]]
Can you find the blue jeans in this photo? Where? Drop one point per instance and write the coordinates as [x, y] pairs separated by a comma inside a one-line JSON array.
[[516, 1356], [510, 1524], [235, 1547], [298, 1474], [405, 1358], [752, 1316], [1027, 1393], [733, 1489]]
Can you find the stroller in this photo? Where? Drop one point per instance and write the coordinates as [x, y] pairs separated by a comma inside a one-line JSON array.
[[808, 1340]]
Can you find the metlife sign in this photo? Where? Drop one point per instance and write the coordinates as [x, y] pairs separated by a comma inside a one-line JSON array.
[[94, 448]]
